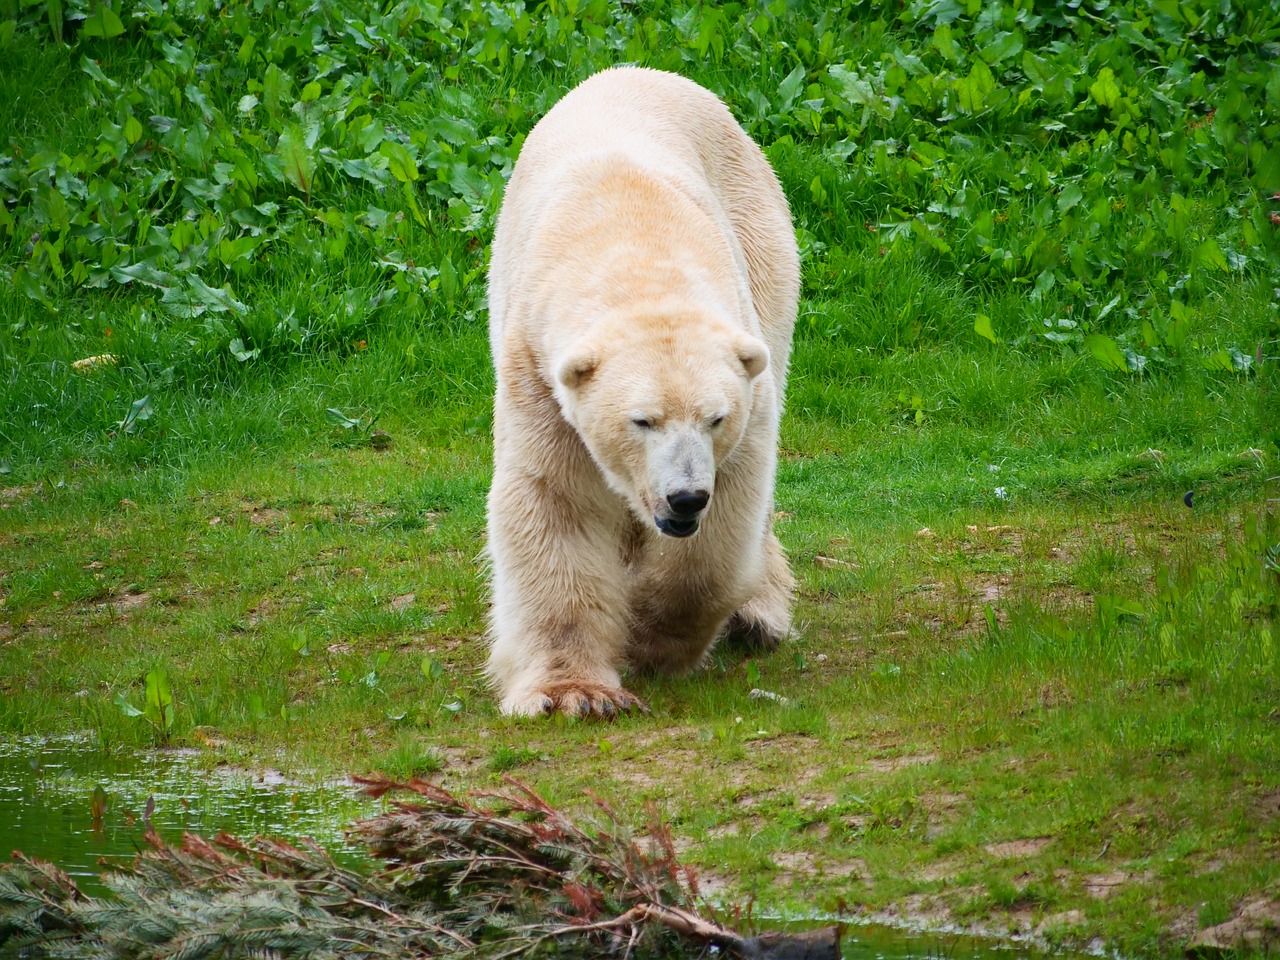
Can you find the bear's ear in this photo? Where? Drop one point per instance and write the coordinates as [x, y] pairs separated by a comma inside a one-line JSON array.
[[578, 367], [754, 356]]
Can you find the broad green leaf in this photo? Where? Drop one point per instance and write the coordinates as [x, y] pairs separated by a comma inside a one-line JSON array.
[[91, 68], [403, 167], [412, 200], [1005, 45], [982, 327], [1071, 195], [26, 283], [1218, 360], [972, 91], [310, 92], [103, 22], [1230, 359], [239, 351], [159, 699], [1135, 361], [275, 86], [929, 235], [853, 87], [1044, 283], [1036, 70], [296, 159], [1117, 609], [1106, 352], [340, 419], [182, 56], [1209, 254], [373, 169], [139, 410], [1105, 90], [217, 299], [790, 88], [53, 8], [1179, 325], [448, 279], [144, 273], [1240, 360], [127, 708], [943, 41], [132, 129], [1111, 305]]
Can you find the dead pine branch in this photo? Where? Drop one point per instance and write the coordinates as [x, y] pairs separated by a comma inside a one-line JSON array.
[[491, 875]]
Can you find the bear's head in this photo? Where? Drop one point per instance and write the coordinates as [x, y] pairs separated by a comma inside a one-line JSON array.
[[660, 403]]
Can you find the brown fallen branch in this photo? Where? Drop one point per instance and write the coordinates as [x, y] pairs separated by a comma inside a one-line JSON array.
[[493, 876]]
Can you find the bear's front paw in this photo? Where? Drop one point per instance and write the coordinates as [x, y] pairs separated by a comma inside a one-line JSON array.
[[574, 698]]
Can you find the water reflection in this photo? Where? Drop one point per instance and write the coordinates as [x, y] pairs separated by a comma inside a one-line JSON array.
[[64, 800]]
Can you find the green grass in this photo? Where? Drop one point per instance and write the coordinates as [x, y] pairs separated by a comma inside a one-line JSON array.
[[1068, 678]]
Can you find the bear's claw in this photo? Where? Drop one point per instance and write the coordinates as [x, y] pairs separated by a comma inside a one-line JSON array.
[[578, 699]]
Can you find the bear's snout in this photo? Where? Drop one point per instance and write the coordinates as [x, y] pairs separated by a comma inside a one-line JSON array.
[[684, 508], [687, 503]]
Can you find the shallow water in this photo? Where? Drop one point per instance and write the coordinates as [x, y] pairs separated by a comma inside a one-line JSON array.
[[66, 801]]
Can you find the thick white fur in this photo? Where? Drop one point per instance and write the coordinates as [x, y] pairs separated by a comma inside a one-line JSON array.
[[644, 268]]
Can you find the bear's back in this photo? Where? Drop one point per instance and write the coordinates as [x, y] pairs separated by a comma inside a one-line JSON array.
[[679, 130]]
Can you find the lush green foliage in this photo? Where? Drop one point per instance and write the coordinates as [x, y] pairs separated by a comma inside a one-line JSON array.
[[1075, 173]]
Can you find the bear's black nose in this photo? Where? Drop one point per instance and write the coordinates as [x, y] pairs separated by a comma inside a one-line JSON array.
[[686, 503]]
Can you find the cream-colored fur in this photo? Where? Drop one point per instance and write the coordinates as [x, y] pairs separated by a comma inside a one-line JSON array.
[[642, 294]]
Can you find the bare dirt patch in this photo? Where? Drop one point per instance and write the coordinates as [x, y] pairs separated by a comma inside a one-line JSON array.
[[817, 802], [942, 810], [894, 764], [1255, 928], [646, 776], [1018, 849], [1266, 806], [12, 495], [916, 909], [787, 743], [942, 803], [735, 828], [125, 603], [1102, 886], [268, 518], [941, 871], [646, 741], [462, 759], [266, 608]]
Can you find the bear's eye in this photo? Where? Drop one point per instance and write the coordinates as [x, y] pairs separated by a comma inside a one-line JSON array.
[[716, 421], [642, 423]]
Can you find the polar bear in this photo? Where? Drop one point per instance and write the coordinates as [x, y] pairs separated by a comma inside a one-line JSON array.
[[643, 286]]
